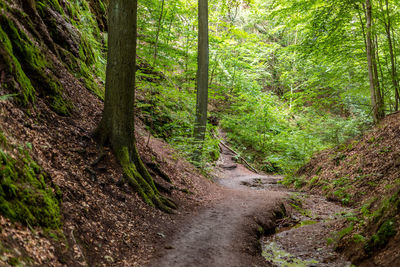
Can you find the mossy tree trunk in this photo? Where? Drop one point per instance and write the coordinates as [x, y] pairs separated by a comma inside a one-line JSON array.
[[202, 79], [117, 125]]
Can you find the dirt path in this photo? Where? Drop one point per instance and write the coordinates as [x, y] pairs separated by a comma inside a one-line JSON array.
[[227, 231]]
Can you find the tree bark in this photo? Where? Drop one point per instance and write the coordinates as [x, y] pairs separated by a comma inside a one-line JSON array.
[[376, 102], [392, 56], [202, 78], [381, 84], [158, 33], [117, 125]]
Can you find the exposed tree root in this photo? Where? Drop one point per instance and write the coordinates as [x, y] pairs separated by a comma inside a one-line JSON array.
[[138, 177]]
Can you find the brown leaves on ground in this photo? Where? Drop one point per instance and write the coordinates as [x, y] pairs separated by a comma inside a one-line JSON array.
[[104, 222]]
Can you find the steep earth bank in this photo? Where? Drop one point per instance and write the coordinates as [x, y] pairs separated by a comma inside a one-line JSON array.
[[363, 174]]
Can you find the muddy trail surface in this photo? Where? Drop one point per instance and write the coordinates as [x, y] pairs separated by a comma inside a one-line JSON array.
[[229, 230]]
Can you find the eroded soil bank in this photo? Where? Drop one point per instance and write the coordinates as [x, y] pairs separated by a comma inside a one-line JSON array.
[[250, 206]]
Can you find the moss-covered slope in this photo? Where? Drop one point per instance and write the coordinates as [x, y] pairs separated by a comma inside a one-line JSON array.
[[364, 174], [38, 40], [27, 194]]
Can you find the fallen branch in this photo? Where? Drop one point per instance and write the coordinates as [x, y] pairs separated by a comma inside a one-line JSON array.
[[236, 153]]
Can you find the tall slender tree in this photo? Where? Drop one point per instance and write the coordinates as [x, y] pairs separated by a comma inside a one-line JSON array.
[[158, 32], [117, 124], [376, 99], [202, 78], [387, 21]]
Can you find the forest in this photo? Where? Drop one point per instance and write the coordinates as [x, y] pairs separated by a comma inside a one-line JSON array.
[[199, 133]]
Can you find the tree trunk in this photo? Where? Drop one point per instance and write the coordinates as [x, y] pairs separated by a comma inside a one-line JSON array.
[[202, 78], [117, 126], [392, 56], [158, 33], [375, 99], [381, 85]]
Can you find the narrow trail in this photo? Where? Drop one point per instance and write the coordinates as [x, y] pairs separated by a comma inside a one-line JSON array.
[[226, 232]]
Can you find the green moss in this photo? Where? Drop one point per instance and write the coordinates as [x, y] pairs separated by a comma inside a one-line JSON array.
[[143, 184], [13, 261], [28, 61], [102, 7], [24, 194], [357, 238], [52, 3], [86, 53], [382, 236], [3, 139], [305, 223], [14, 67], [87, 76], [134, 178]]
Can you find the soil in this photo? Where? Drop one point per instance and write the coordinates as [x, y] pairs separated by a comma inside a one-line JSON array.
[[306, 243], [226, 231]]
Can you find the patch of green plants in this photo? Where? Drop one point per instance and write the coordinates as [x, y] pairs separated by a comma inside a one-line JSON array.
[[347, 146], [296, 181], [341, 181], [305, 223], [298, 207], [313, 180], [344, 197], [351, 217]]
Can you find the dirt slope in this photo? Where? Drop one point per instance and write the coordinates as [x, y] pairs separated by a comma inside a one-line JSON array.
[[363, 174], [103, 219], [104, 223]]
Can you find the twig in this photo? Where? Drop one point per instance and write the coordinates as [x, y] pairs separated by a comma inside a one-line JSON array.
[[79, 248]]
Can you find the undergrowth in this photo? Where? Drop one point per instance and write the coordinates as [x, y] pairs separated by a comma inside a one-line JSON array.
[[280, 139], [169, 114]]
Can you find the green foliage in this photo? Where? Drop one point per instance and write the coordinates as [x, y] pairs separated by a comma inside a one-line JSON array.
[[169, 114], [278, 103], [25, 194], [263, 125]]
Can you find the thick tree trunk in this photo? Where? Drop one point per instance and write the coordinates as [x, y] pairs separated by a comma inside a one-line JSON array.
[[117, 125], [376, 101], [202, 78]]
